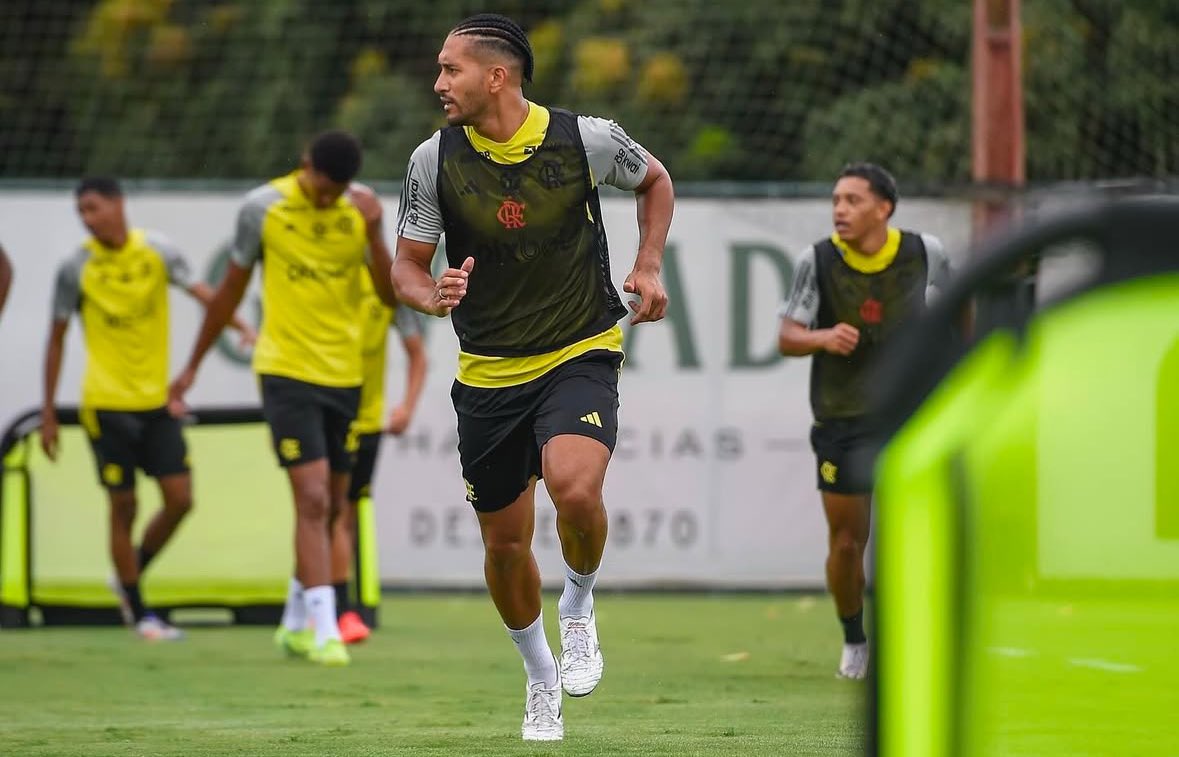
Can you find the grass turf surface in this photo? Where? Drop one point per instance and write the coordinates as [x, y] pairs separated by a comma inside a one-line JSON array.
[[685, 675]]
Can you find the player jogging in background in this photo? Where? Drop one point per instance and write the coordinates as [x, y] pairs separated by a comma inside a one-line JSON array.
[[117, 282], [369, 427], [315, 233], [851, 292], [513, 185]]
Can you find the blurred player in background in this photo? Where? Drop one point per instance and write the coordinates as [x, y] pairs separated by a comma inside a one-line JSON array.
[[369, 427], [5, 278], [315, 233], [117, 282], [851, 292], [513, 186]]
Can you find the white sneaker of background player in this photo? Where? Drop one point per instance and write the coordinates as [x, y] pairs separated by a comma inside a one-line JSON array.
[[581, 655], [151, 628], [542, 713], [853, 663]]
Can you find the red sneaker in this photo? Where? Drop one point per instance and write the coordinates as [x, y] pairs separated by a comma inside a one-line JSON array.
[[352, 628]]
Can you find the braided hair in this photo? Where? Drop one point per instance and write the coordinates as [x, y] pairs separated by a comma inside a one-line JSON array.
[[502, 34]]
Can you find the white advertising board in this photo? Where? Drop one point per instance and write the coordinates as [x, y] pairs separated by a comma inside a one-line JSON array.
[[712, 483]]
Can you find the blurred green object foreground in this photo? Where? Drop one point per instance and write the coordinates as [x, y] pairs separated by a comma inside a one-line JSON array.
[[1028, 553]]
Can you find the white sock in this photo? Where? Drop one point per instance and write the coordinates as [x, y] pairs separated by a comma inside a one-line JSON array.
[[321, 609], [539, 663], [294, 613], [577, 599]]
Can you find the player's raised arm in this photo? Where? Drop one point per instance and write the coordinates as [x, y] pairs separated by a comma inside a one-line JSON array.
[[219, 310], [418, 289], [222, 305], [204, 294], [655, 198], [419, 227], [180, 275], [796, 338], [616, 159], [380, 261]]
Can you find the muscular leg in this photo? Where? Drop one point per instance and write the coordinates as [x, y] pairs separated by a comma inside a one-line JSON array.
[[314, 490], [848, 522], [509, 566], [311, 492], [574, 471], [513, 581], [123, 506], [176, 492]]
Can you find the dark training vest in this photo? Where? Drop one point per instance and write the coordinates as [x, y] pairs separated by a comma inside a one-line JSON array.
[[875, 303], [542, 269]]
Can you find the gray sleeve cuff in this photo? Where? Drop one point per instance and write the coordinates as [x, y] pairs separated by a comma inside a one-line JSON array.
[[247, 239], [614, 158], [67, 293], [179, 272], [938, 263], [419, 216], [803, 303]]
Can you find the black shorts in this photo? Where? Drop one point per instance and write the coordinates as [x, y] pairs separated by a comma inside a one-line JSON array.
[[309, 421], [123, 440], [845, 452], [366, 461], [501, 431]]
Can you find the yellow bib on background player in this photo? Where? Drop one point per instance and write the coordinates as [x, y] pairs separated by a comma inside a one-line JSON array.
[[313, 262], [121, 296]]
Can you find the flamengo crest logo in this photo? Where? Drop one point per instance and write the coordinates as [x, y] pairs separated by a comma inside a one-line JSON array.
[[511, 214], [872, 311]]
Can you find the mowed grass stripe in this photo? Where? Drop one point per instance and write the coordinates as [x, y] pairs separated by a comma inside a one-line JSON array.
[[685, 675]]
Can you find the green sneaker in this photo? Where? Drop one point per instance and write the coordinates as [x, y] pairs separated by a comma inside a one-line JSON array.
[[294, 643], [332, 652]]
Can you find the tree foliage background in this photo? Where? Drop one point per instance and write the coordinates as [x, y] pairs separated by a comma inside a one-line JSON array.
[[761, 90]]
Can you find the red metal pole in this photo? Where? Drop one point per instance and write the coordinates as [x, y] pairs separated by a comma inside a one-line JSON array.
[[997, 121]]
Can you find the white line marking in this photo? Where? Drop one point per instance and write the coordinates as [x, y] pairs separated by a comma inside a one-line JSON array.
[[1011, 652], [1106, 665]]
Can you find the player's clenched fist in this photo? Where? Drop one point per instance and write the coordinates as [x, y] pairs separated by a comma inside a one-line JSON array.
[[842, 339], [451, 287]]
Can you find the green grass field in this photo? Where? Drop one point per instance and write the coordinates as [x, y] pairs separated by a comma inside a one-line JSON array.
[[685, 675]]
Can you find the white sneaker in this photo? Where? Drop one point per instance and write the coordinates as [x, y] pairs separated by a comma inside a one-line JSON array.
[[542, 713], [116, 588], [853, 663], [581, 655], [151, 628]]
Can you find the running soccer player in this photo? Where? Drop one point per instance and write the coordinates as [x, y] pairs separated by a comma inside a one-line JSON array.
[[851, 291], [513, 185]]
